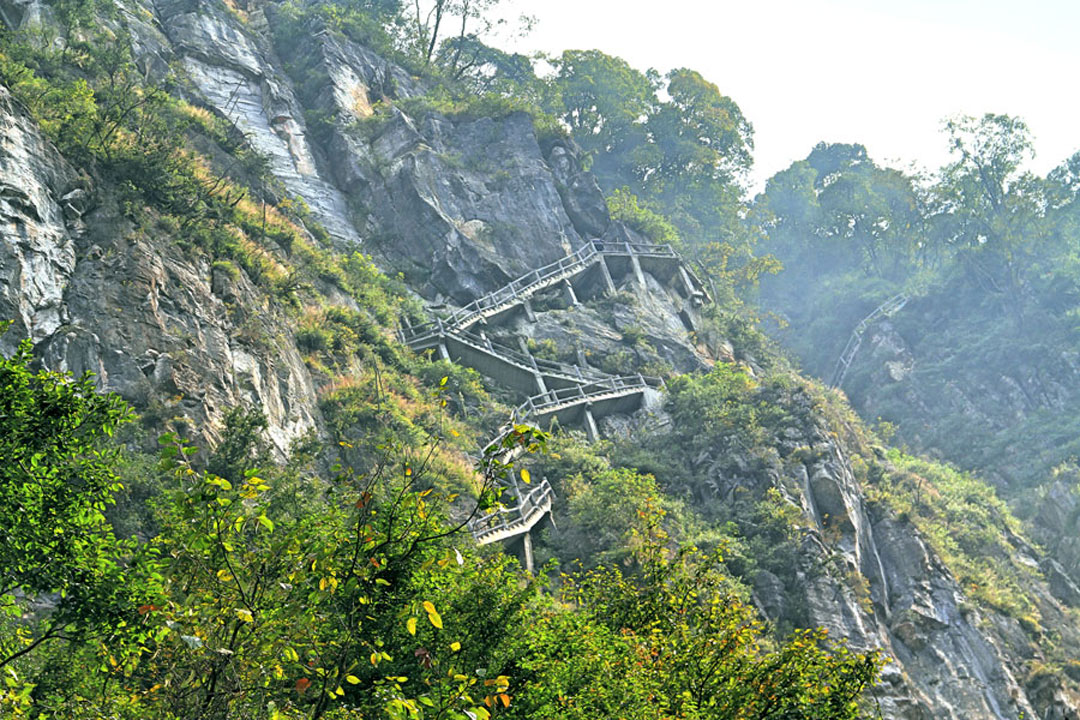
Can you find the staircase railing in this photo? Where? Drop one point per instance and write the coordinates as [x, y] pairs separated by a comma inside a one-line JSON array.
[[564, 397], [526, 360], [588, 385], [545, 403], [518, 517], [527, 285], [887, 309]]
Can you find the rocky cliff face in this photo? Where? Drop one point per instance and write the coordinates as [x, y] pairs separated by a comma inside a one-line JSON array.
[[98, 293], [868, 575], [460, 205]]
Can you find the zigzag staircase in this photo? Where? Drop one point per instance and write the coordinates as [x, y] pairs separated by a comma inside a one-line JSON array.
[[572, 394], [887, 309]]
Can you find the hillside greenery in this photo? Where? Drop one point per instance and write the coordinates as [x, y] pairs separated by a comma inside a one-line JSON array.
[[339, 582], [986, 250], [283, 592]]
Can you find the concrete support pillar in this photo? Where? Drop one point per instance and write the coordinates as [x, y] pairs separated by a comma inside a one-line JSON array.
[[687, 318], [444, 352], [639, 276], [527, 551], [591, 430], [541, 386], [687, 283], [605, 273], [523, 345], [581, 359], [529, 314], [571, 296]]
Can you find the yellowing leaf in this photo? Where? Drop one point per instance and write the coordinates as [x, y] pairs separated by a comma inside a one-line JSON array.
[[505, 699], [433, 614], [244, 615], [352, 679], [455, 646], [526, 477], [410, 625]]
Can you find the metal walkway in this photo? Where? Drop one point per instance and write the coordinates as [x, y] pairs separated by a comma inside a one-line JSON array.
[[887, 309]]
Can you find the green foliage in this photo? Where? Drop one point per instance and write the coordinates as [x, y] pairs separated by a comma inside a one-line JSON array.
[[968, 527], [64, 574], [677, 641], [985, 249], [724, 407], [603, 99], [352, 595], [242, 447], [626, 208], [55, 484], [288, 592], [609, 513]]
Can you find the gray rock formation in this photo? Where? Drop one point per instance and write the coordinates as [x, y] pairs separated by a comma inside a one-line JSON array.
[[234, 72], [96, 293], [872, 579], [40, 214]]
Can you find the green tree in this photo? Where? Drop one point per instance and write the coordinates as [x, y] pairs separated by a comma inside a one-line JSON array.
[[606, 102], [62, 570], [988, 209], [675, 639], [702, 134]]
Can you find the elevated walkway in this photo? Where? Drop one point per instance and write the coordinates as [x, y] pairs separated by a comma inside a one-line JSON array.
[[520, 371], [625, 257], [578, 405], [510, 522], [887, 309], [601, 397], [557, 392]]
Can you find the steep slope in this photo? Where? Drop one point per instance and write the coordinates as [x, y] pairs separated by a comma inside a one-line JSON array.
[[461, 203]]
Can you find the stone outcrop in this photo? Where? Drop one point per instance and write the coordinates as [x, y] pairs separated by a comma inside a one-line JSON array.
[[97, 293], [233, 71], [869, 577], [40, 216]]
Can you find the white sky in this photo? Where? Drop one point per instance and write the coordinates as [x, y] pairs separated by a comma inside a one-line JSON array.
[[884, 73]]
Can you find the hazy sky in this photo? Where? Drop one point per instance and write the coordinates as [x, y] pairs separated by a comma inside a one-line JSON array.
[[880, 72]]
